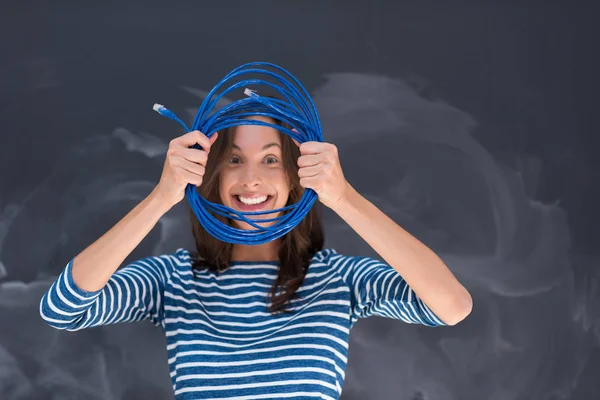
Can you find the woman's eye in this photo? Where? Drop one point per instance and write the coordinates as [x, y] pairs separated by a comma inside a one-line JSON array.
[[268, 160]]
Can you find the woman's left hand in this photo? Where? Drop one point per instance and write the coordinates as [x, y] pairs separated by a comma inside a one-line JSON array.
[[321, 171]]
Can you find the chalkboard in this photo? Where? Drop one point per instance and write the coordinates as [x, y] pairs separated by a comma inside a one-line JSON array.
[[470, 124]]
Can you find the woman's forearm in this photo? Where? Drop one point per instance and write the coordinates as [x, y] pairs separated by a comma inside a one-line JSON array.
[[420, 267], [93, 267]]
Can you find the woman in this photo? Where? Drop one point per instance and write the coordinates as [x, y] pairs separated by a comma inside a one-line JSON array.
[[268, 320]]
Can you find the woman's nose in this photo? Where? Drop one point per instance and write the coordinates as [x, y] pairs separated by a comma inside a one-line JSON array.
[[250, 175]]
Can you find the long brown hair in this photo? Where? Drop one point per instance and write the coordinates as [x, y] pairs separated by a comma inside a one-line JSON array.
[[297, 246]]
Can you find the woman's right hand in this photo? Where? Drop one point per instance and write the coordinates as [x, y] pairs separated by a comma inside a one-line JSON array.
[[183, 166]]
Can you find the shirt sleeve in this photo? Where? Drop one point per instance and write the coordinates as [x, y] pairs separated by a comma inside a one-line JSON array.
[[378, 289], [133, 293]]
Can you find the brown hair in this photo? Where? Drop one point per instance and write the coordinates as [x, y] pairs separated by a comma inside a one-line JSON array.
[[297, 246]]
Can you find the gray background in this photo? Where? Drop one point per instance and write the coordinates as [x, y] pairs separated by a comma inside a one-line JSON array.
[[470, 124]]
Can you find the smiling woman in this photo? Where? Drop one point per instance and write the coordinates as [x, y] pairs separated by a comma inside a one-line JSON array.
[[252, 321], [254, 200], [251, 161], [255, 171]]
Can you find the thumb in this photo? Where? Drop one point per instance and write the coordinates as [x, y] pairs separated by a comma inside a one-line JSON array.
[[214, 137], [295, 141]]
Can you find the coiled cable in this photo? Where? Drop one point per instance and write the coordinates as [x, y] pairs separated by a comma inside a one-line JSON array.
[[298, 110]]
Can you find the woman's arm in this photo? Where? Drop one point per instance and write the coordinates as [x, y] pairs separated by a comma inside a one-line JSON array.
[[91, 292], [93, 267], [421, 268], [320, 170]]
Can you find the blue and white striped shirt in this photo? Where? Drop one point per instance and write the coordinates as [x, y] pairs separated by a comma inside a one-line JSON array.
[[222, 342]]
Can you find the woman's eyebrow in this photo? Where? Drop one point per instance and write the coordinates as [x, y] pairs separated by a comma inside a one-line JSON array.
[[235, 146]]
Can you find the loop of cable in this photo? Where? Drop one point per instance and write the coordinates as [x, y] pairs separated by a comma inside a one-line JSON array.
[[296, 108]]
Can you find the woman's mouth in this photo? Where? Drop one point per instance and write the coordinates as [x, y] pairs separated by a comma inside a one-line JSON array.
[[264, 202]]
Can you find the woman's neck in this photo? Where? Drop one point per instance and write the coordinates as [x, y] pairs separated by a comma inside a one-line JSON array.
[[261, 252]]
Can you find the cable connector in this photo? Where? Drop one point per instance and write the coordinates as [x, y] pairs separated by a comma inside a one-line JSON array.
[[164, 111], [251, 93]]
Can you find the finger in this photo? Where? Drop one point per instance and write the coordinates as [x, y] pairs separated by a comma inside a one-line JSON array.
[[193, 137], [210, 141], [194, 155], [191, 177], [295, 141], [196, 169], [314, 147], [214, 137], [309, 182], [204, 141], [308, 160], [309, 171]]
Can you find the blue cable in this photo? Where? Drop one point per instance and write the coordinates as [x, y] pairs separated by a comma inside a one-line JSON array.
[[298, 110]]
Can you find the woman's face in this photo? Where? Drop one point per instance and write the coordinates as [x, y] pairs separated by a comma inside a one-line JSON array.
[[254, 173]]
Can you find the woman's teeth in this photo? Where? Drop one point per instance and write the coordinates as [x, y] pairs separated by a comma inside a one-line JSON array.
[[253, 200]]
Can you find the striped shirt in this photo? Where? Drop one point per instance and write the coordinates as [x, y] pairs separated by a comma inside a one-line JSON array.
[[222, 342]]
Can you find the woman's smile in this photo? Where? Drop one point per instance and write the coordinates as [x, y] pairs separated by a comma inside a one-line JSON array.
[[253, 207]]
